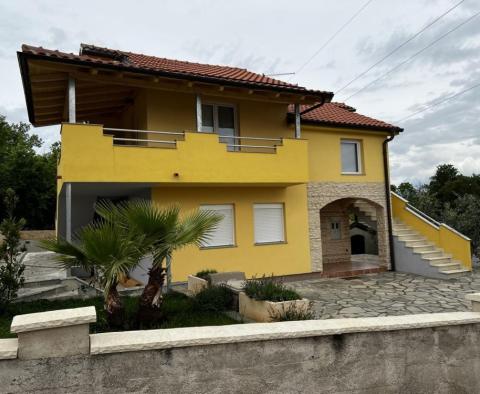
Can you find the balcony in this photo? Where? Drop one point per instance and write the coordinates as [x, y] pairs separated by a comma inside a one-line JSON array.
[[93, 154]]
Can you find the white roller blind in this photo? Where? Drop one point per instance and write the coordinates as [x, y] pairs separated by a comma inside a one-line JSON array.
[[223, 235], [269, 223]]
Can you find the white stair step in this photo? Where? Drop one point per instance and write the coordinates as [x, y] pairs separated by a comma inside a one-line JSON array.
[[423, 248], [430, 253], [434, 261], [453, 272], [409, 238], [418, 242], [64, 295], [26, 294], [447, 266]]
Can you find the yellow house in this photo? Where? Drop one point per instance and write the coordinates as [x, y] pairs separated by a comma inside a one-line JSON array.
[[288, 169]]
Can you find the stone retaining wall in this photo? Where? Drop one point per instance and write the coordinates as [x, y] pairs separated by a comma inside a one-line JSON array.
[[429, 353]]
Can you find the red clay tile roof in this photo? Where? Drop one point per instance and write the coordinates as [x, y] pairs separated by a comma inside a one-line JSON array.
[[340, 114], [173, 68]]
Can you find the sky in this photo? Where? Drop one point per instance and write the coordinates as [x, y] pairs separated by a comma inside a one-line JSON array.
[[277, 36]]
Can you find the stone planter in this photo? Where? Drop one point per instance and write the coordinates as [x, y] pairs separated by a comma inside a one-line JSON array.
[[262, 311], [196, 284]]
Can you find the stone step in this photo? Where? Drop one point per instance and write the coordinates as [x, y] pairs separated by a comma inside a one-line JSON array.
[[64, 295], [423, 248], [429, 253], [39, 293], [406, 233], [434, 261], [409, 238], [419, 242], [455, 273], [447, 266]]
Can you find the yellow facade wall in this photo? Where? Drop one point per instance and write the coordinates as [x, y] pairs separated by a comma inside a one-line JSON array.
[[442, 236], [171, 111], [175, 111], [89, 156], [290, 257], [325, 156]]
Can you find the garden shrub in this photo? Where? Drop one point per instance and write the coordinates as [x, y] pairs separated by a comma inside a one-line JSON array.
[[292, 313], [214, 299], [269, 289], [205, 274]]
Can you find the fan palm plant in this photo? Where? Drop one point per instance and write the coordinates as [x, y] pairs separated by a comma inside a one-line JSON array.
[[111, 250], [163, 231]]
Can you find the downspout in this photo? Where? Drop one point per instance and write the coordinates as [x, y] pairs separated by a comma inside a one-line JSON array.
[[388, 199]]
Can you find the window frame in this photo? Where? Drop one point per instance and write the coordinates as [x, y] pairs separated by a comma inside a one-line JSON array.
[[215, 105], [234, 242], [284, 224], [358, 144]]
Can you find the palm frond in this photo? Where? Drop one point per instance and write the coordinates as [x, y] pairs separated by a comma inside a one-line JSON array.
[[67, 254]]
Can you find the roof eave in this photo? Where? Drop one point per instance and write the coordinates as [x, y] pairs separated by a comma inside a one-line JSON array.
[[393, 129], [27, 87], [326, 96]]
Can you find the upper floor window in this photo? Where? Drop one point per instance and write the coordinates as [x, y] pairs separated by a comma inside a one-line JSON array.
[[224, 233], [351, 157], [220, 119]]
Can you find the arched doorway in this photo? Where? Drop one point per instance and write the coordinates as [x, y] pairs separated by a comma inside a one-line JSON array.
[[351, 231]]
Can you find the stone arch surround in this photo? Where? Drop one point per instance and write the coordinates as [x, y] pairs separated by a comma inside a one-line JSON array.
[[322, 193]]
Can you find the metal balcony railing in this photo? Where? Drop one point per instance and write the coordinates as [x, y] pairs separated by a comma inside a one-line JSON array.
[[239, 143], [130, 137], [168, 139]]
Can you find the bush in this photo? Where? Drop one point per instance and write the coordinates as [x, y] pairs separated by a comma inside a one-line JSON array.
[[269, 289], [292, 313], [214, 299], [11, 268], [205, 274]]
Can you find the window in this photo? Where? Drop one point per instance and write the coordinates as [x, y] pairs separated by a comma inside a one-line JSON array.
[[268, 223], [223, 235], [351, 160], [220, 119], [335, 232]]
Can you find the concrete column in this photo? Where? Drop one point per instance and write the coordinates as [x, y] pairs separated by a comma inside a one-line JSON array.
[[298, 132], [68, 211], [72, 113], [54, 334], [475, 298]]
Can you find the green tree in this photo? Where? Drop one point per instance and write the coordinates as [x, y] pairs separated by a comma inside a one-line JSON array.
[[111, 251], [11, 268], [165, 231], [464, 217], [114, 245], [31, 175]]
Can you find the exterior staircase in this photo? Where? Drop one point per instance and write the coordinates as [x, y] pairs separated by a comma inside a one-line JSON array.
[[366, 209], [429, 259]]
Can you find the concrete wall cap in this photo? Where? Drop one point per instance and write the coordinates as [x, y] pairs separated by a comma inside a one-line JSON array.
[[473, 297], [8, 348], [129, 341], [53, 319]]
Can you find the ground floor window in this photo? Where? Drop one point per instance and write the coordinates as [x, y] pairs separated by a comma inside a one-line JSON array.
[[224, 234], [269, 223]]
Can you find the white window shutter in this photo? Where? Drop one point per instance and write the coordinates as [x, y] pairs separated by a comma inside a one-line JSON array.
[[268, 223], [223, 235]]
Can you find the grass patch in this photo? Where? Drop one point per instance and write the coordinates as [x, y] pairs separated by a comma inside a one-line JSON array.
[[178, 309], [269, 289]]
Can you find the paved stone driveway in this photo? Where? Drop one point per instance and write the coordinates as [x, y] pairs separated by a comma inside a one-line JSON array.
[[387, 294]]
